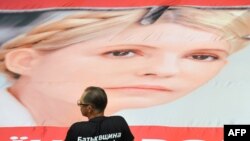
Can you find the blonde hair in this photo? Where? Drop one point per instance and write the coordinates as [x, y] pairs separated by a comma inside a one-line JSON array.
[[234, 24], [77, 27], [86, 25]]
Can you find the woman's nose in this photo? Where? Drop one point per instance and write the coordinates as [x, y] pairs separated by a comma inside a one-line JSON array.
[[166, 66]]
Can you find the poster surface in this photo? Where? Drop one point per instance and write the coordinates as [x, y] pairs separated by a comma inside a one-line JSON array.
[[176, 71]]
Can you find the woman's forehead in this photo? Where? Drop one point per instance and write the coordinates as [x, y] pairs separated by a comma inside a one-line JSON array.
[[164, 32], [159, 35]]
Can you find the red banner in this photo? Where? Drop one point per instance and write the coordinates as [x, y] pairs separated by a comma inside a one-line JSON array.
[[142, 133], [33, 4]]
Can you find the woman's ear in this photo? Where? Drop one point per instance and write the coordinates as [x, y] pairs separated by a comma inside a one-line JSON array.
[[20, 60]]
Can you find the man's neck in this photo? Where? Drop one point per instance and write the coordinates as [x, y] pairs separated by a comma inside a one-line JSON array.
[[95, 115]]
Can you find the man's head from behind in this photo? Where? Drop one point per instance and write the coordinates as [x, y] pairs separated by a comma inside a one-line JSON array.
[[95, 97]]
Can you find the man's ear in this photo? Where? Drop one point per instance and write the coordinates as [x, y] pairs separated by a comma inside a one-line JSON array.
[[90, 109], [20, 60]]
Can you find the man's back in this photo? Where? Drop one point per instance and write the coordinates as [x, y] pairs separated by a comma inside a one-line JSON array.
[[113, 128]]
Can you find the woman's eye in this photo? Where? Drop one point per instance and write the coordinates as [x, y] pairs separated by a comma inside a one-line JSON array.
[[204, 57], [121, 53]]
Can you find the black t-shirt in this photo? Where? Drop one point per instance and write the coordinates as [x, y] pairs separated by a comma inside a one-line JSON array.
[[113, 128]]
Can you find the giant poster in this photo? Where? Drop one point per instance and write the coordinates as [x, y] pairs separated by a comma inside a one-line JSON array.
[[176, 71]]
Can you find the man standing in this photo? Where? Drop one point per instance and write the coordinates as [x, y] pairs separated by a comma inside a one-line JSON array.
[[99, 127]]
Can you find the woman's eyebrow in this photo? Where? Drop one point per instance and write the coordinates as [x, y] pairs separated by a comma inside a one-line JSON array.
[[211, 50], [130, 45]]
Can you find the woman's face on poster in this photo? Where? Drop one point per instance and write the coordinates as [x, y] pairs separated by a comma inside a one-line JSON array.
[[139, 67]]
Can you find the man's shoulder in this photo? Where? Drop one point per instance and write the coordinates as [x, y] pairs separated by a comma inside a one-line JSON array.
[[79, 124], [116, 117]]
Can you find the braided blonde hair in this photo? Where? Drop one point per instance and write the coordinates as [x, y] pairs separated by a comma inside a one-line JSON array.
[[86, 25]]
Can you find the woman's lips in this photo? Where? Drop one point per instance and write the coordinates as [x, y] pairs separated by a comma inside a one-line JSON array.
[[141, 88]]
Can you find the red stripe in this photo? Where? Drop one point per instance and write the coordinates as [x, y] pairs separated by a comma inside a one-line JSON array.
[[140, 132], [34, 4]]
